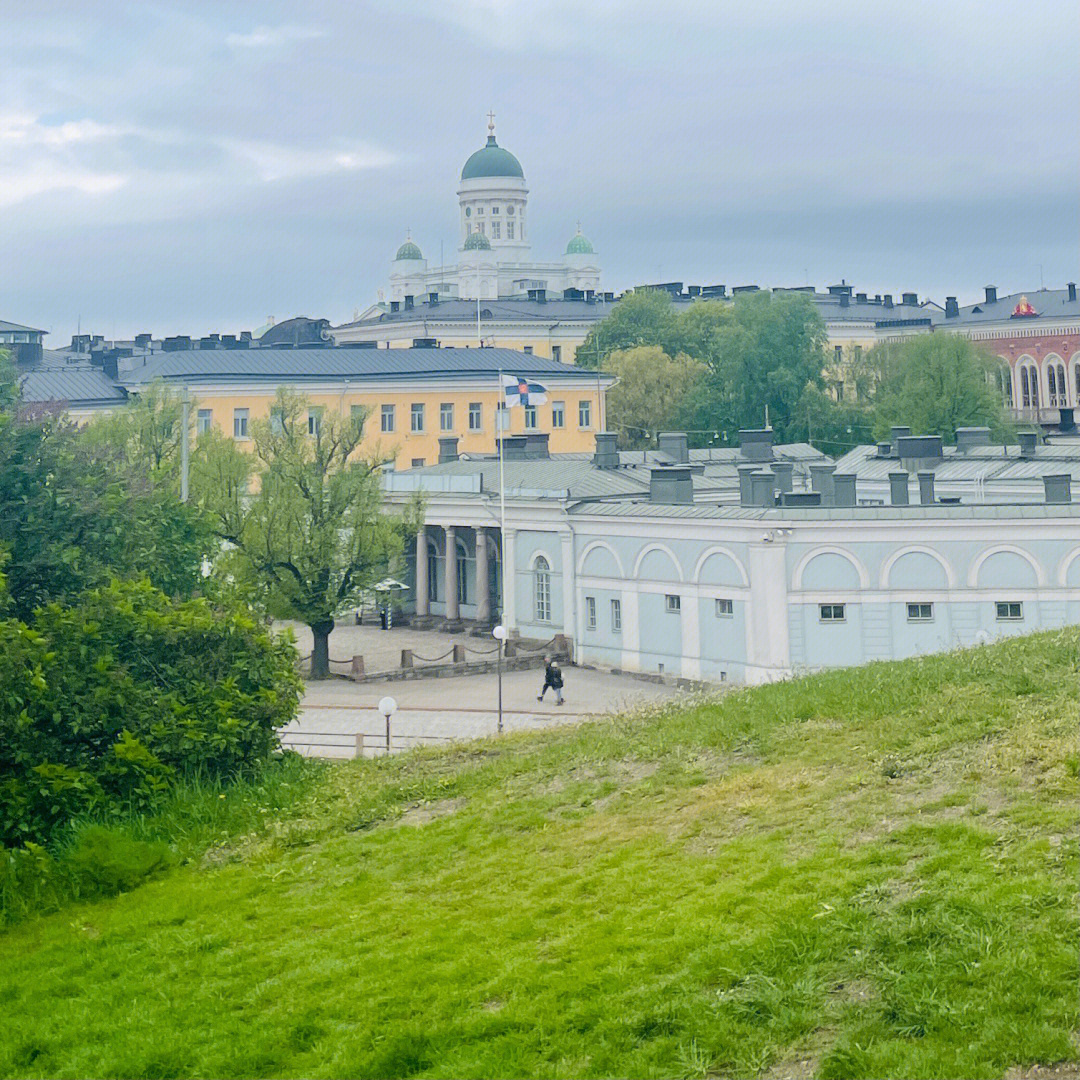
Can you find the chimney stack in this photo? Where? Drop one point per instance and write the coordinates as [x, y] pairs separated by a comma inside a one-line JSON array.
[[896, 433], [952, 308], [844, 489], [746, 486], [1072, 291], [968, 438], [887, 300], [763, 488], [606, 455], [675, 444], [926, 488], [671, 485], [991, 294], [898, 488], [821, 479], [783, 471], [1058, 488], [755, 444], [1028, 442]]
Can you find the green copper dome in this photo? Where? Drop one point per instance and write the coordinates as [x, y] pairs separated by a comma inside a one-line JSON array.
[[408, 250], [579, 245], [491, 160], [477, 241]]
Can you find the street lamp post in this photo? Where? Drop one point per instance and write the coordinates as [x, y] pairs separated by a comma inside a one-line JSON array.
[[499, 633], [387, 706]]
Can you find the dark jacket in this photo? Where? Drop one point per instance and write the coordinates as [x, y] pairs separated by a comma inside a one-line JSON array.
[[553, 676]]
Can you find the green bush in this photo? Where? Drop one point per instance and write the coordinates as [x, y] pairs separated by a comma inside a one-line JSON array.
[[106, 862], [107, 702]]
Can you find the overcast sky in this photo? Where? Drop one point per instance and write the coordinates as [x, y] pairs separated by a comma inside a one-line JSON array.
[[190, 167]]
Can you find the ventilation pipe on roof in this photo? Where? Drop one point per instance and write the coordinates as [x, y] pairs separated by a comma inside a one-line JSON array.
[[746, 486], [671, 485], [898, 488], [1028, 442], [607, 453], [755, 444], [926, 488], [763, 488], [675, 444], [821, 479], [1058, 488], [783, 471]]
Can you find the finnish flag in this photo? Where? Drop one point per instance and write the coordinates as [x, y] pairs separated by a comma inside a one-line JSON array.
[[522, 392]]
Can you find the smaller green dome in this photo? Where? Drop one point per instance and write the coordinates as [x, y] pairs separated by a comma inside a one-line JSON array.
[[477, 241], [408, 250], [579, 245]]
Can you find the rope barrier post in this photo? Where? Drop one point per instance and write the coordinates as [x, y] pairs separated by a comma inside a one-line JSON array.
[[359, 744]]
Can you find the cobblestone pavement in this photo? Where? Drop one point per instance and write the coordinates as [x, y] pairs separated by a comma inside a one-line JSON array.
[[435, 711]]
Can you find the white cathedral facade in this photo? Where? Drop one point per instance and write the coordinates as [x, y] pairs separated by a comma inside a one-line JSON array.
[[494, 260]]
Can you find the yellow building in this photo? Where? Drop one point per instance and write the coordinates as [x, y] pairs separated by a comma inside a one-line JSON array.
[[411, 398]]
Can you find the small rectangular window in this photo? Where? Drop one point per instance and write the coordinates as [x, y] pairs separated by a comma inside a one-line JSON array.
[[838, 352], [832, 612], [530, 417], [204, 421], [509, 230], [496, 228], [446, 416], [387, 417], [240, 423], [616, 616], [556, 353], [494, 209], [314, 422], [672, 604], [920, 612], [476, 416], [1009, 610], [590, 612], [558, 414], [527, 349], [724, 609], [416, 416], [417, 462], [584, 414]]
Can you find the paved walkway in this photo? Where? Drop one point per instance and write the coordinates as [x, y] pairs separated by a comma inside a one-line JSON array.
[[434, 711]]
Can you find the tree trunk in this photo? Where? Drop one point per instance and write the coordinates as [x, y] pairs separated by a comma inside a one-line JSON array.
[[320, 652]]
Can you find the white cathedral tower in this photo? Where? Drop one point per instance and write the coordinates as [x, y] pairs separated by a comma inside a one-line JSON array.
[[495, 255]]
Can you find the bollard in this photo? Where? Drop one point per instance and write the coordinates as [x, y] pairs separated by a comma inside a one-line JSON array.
[[560, 646], [359, 744], [406, 658], [509, 649], [357, 667], [459, 654]]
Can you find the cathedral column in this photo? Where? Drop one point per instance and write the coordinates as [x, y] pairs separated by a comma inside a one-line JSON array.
[[423, 591], [483, 578]]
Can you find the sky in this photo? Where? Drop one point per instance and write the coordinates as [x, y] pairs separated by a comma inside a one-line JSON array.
[[197, 167]]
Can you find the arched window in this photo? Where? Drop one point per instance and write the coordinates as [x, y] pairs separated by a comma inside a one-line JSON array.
[[1003, 382], [462, 572], [433, 570], [1076, 386], [542, 589], [1029, 387], [1056, 385]]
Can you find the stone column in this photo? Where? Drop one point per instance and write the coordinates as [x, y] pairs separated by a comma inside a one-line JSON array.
[[483, 578], [453, 607], [423, 591], [569, 581]]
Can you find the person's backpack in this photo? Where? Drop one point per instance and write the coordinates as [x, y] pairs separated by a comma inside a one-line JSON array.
[[555, 675]]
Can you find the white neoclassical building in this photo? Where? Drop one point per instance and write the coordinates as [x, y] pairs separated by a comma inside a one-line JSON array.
[[494, 259]]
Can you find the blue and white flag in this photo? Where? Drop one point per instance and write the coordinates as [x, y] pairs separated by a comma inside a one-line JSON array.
[[522, 392]]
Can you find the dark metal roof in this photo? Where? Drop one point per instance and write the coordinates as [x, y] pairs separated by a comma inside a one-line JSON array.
[[78, 387], [1049, 303], [299, 365], [464, 311], [6, 327]]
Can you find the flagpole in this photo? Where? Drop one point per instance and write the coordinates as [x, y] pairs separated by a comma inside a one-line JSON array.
[[499, 415]]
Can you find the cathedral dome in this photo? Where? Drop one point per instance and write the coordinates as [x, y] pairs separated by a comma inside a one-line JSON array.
[[491, 160], [477, 242], [408, 250], [579, 245]]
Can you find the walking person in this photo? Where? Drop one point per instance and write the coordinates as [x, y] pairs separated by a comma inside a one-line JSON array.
[[552, 680]]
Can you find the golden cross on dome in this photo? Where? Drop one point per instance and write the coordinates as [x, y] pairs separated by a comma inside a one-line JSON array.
[[491, 124]]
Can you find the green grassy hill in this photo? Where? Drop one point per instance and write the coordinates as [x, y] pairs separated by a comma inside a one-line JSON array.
[[863, 873]]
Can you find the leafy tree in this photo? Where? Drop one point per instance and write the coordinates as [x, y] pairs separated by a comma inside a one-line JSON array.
[[313, 534], [763, 355], [651, 393], [147, 432], [75, 512], [644, 317], [936, 383]]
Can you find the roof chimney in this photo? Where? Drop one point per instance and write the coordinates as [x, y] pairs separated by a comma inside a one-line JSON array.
[[755, 444], [919, 447], [672, 485], [952, 308], [821, 479], [1066, 421], [675, 444], [926, 488], [1058, 488], [746, 487], [448, 448], [1072, 291], [110, 363], [843, 489], [845, 299], [898, 488], [783, 471], [1028, 441], [991, 294], [887, 300], [763, 488], [607, 454], [884, 449], [896, 433], [968, 438]]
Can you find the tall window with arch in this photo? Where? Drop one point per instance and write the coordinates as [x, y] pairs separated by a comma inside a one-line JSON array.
[[542, 589], [1057, 388], [1029, 387], [1003, 382]]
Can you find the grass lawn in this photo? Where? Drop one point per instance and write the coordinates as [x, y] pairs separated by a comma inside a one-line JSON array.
[[863, 873]]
